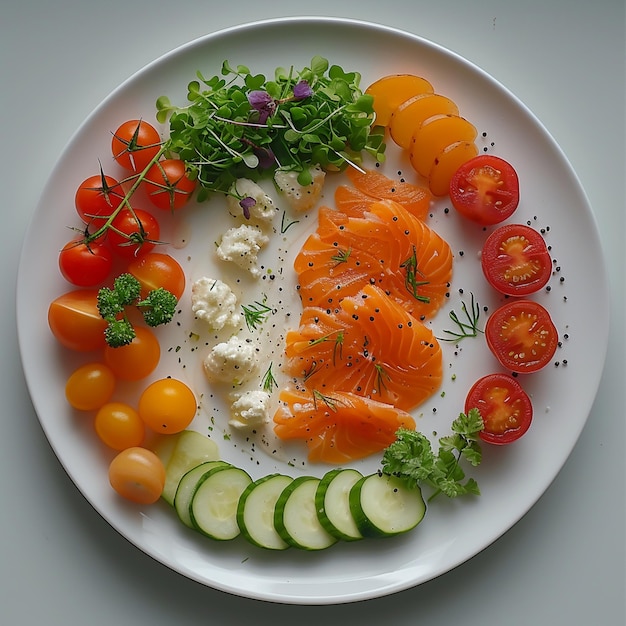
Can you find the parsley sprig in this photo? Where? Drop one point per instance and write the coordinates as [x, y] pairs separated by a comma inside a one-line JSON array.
[[240, 124], [411, 457]]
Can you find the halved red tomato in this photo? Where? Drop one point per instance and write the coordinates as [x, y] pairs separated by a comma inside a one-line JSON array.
[[505, 407], [515, 260], [485, 189], [522, 336]]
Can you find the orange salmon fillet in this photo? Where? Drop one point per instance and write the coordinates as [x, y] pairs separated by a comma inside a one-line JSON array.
[[370, 346], [340, 426], [375, 185], [387, 246]]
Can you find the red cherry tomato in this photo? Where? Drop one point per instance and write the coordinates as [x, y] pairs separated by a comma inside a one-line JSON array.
[[154, 270], [135, 143], [133, 233], [505, 407], [85, 264], [75, 321], [98, 196], [168, 186], [485, 189], [515, 260], [522, 336]]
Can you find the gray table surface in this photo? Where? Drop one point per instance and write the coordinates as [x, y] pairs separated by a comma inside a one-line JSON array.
[[564, 562]]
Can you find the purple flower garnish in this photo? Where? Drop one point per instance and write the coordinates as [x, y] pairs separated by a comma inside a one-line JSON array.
[[302, 90], [246, 204], [263, 103]]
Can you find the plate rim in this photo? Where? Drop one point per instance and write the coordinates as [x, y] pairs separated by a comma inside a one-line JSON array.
[[207, 39]]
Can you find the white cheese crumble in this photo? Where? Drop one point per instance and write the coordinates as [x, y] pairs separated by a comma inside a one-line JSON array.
[[262, 211], [300, 197], [233, 361], [250, 409], [213, 302], [241, 245]]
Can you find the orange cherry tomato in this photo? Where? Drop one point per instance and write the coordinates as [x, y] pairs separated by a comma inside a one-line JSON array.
[[119, 426], [137, 359], [167, 406], [75, 321], [90, 386], [154, 270], [138, 475]]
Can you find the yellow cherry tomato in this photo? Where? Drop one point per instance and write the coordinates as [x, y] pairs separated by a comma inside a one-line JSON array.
[[119, 426], [90, 386], [138, 475], [167, 406]]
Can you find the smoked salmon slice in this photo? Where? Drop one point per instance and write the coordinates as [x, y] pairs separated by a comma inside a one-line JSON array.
[[386, 246], [370, 346], [377, 186], [338, 427]]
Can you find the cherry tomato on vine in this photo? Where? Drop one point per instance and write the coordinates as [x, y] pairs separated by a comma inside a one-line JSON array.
[[505, 407], [137, 359], [85, 264], [75, 321], [167, 406], [135, 143], [97, 197], [522, 336], [485, 189], [168, 186], [119, 426], [515, 260], [138, 475], [133, 233], [154, 270], [90, 386]]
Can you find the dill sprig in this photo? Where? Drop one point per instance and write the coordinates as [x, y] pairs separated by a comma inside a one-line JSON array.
[[269, 381], [410, 278], [255, 313], [468, 328]]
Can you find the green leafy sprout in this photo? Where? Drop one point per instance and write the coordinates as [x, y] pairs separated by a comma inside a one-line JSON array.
[[412, 459], [158, 307], [243, 124]]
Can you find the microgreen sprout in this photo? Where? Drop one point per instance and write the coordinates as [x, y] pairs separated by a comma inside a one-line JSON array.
[[240, 124]]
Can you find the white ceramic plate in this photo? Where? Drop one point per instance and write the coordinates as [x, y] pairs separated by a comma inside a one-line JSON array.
[[511, 478]]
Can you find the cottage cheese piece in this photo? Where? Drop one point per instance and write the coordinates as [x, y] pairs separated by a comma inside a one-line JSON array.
[[250, 409], [213, 302], [262, 211], [301, 198], [233, 361], [241, 246]]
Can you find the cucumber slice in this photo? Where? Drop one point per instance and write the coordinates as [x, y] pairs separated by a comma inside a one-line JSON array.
[[191, 449], [187, 487], [333, 505], [255, 513], [383, 506], [295, 517], [213, 508]]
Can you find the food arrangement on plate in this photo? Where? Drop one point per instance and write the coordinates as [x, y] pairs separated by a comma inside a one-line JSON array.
[[342, 379]]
